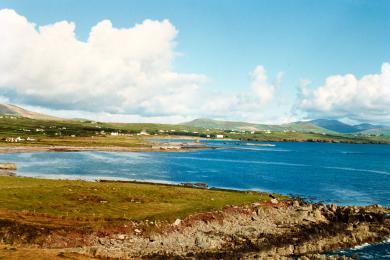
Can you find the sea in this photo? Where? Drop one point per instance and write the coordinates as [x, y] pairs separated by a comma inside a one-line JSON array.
[[344, 174]]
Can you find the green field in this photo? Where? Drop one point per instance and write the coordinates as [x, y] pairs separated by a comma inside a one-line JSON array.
[[310, 137], [66, 213], [113, 200]]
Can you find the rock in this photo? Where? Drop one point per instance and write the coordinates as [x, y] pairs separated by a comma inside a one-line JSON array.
[[274, 201], [317, 215], [8, 166], [177, 222], [6, 173], [272, 229], [121, 236], [333, 208], [296, 203]]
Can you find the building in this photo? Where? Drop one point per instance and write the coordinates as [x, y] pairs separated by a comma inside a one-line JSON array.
[[143, 132], [219, 136]]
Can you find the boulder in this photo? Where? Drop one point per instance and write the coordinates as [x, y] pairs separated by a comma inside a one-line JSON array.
[[177, 222], [8, 166]]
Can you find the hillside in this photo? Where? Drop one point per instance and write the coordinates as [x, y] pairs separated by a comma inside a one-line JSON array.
[[223, 125], [8, 109], [231, 125], [321, 126], [340, 127]]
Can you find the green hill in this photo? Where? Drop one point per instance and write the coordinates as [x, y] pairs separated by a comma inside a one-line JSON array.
[[321, 126], [8, 109], [239, 126]]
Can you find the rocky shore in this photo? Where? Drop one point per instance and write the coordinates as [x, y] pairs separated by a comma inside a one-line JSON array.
[[287, 230], [7, 169], [8, 166]]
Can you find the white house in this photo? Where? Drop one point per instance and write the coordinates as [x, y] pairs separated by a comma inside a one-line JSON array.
[[143, 132], [219, 136]]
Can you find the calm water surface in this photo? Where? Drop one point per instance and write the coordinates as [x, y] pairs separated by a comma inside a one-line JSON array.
[[331, 173]]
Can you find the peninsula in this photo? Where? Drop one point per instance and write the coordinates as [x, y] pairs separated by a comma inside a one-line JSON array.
[[125, 220]]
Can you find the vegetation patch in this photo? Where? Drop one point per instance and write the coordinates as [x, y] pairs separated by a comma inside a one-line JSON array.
[[119, 201]]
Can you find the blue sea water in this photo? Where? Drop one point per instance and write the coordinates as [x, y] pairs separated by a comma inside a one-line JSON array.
[[344, 174]]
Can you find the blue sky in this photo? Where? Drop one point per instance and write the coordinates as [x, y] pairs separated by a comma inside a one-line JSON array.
[[226, 40]]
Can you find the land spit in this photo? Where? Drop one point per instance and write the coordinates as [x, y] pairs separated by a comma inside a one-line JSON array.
[[143, 148], [265, 230]]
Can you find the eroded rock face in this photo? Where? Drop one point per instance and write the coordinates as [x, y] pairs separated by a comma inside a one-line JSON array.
[[263, 231]]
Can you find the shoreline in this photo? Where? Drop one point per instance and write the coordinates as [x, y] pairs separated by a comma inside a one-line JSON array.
[[291, 230], [257, 231], [265, 229], [56, 148]]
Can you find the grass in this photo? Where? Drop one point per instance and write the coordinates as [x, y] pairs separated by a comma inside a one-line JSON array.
[[114, 200], [311, 137], [95, 141]]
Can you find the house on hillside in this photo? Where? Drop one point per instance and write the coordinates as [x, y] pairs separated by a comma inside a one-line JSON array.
[[219, 136], [143, 132]]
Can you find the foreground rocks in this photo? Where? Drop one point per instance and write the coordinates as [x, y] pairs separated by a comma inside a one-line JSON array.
[[8, 166], [262, 230], [7, 169]]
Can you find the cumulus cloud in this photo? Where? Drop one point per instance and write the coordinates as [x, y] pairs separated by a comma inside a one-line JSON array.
[[115, 71], [346, 96]]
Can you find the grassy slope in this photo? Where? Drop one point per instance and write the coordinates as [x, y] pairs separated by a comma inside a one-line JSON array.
[[31, 209], [231, 125], [132, 201]]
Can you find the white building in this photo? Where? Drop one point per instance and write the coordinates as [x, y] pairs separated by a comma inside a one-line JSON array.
[[143, 132], [219, 136]]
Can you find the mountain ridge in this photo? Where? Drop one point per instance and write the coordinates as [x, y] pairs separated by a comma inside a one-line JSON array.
[[12, 110]]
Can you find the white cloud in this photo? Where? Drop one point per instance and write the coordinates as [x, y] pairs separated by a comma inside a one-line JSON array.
[[115, 71], [346, 96], [260, 85]]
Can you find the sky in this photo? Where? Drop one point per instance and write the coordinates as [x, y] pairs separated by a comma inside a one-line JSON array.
[[175, 60]]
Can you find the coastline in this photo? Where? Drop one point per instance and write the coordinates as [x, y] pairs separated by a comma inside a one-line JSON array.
[[57, 148], [262, 229], [259, 231]]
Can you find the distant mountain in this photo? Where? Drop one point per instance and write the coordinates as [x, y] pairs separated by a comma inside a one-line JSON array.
[[334, 125], [327, 126], [307, 126], [340, 127], [8, 109]]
